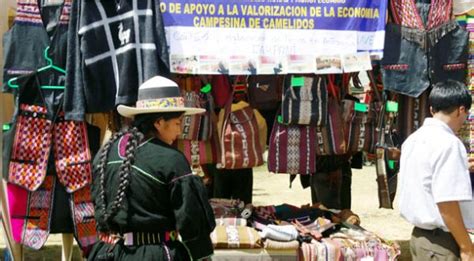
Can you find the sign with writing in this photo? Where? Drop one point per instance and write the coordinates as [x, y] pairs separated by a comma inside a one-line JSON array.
[[273, 36]]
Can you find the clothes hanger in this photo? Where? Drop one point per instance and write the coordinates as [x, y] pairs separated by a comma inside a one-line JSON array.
[[49, 66]]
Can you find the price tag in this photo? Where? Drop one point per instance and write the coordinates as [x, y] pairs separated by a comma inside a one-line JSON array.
[[392, 106], [391, 164], [297, 81], [6, 127], [206, 88], [280, 119], [362, 107]]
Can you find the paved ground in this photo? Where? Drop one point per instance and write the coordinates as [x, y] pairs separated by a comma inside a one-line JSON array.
[[273, 189]]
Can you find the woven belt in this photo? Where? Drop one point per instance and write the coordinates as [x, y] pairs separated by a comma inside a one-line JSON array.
[[139, 238]]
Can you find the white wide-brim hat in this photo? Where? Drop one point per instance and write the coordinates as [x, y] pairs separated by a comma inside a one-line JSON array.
[[158, 94]]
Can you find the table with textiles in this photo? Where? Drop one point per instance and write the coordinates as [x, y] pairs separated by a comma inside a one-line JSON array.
[[287, 232]]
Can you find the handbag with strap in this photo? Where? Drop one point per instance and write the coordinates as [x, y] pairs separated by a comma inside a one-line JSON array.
[[200, 152], [240, 141], [305, 100], [387, 150], [291, 149], [265, 91], [360, 130], [331, 138], [191, 124]]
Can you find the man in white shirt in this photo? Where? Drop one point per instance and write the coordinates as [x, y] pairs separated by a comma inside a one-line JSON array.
[[435, 187]]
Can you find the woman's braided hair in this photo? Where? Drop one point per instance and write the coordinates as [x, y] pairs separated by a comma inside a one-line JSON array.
[[143, 123], [124, 171]]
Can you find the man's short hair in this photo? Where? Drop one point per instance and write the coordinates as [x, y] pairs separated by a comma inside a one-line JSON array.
[[449, 95]]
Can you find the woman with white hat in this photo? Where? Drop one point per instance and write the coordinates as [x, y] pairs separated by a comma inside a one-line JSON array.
[[144, 191]]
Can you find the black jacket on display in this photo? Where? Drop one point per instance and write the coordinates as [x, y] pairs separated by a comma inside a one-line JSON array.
[[112, 49]]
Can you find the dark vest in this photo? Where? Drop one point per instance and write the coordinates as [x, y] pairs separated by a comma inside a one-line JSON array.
[[422, 47]]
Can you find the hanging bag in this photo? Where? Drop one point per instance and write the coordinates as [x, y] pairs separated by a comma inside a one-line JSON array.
[[305, 100], [331, 138], [200, 152], [240, 143], [291, 149], [265, 91]]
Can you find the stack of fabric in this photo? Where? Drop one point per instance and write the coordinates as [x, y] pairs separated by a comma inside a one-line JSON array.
[[349, 244]]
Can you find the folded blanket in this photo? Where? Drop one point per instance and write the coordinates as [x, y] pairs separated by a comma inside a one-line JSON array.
[[272, 244], [235, 237], [240, 222], [280, 233]]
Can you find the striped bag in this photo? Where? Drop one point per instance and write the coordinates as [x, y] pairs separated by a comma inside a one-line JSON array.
[[330, 138], [199, 152], [359, 128], [291, 149], [190, 124], [305, 101], [240, 146]]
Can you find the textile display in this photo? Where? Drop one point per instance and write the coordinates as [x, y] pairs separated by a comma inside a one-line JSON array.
[[226, 208], [30, 151], [470, 83], [37, 221], [418, 54], [198, 126], [83, 215], [283, 233], [273, 244], [240, 140], [31, 146], [235, 237], [199, 152], [221, 90], [112, 49], [43, 26], [239, 222], [17, 204], [331, 137], [360, 127], [305, 100], [191, 124], [265, 91], [291, 149]]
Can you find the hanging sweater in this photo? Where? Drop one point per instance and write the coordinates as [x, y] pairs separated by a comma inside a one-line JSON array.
[[112, 49]]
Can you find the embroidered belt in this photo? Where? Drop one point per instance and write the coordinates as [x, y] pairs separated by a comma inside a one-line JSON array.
[[140, 238]]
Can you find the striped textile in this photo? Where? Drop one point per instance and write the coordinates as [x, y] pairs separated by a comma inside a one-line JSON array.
[[405, 13], [191, 124], [330, 138], [291, 149], [83, 216], [307, 104], [28, 12], [224, 237], [240, 141], [359, 128], [37, 219]]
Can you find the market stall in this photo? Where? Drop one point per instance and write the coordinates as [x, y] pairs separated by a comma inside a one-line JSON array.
[[309, 88]]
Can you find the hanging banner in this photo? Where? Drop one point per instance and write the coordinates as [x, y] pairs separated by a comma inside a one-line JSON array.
[[273, 36]]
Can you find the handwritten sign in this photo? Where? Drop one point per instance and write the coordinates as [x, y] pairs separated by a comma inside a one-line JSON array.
[[273, 36]]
